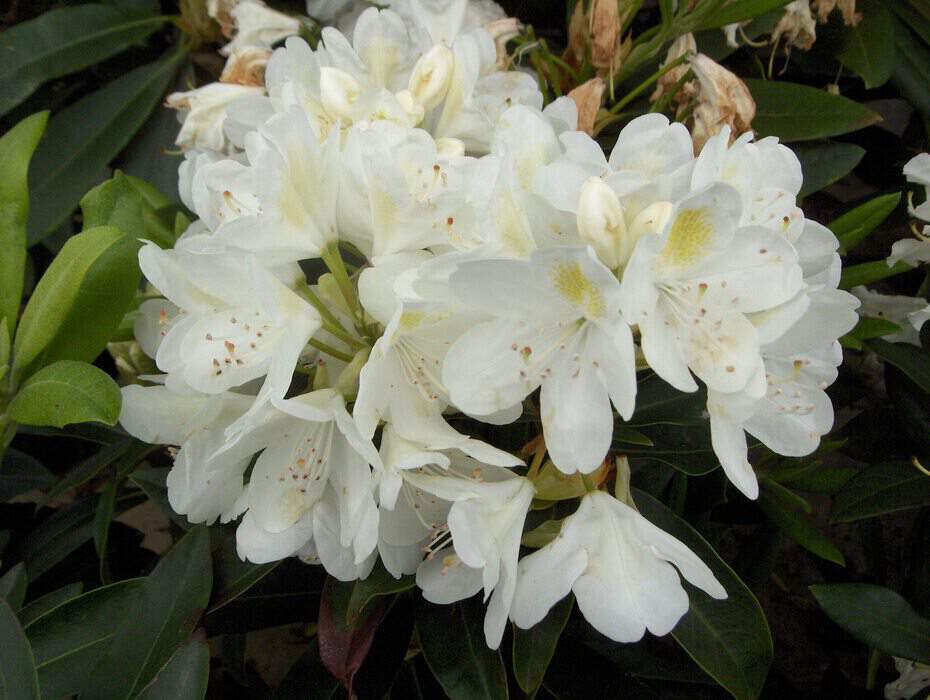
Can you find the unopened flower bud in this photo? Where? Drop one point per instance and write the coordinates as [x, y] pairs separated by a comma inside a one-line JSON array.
[[338, 91], [650, 220], [431, 76], [449, 148], [600, 223], [411, 106]]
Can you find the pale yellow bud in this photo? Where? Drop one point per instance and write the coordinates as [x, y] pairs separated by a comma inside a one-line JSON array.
[[651, 220], [338, 92], [431, 76], [412, 107], [601, 223]]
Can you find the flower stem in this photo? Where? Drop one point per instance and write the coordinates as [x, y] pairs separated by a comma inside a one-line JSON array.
[[330, 350], [332, 258], [331, 324]]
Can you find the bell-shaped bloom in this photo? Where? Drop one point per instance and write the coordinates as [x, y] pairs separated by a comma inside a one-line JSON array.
[[910, 313], [202, 112], [619, 566], [915, 251], [555, 322], [256, 24]]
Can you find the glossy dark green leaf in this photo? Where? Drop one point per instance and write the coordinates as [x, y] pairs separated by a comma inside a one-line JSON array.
[[173, 598], [795, 112], [69, 639], [49, 601], [106, 502], [912, 71], [533, 648], [913, 361], [13, 586], [855, 225], [67, 392], [153, 482], [799, 528], [308, 679], [880, 489], [461, 662], [866, 329], [741, 10], [84, 137], [63, 41], [730, 639], [866, 273], [18, 680], [16, 149], [869, 48], [185, 675], [379, 583], [825, 162], [20, 473], [877, 617], [131, 205], [232, 576], [97, 462]]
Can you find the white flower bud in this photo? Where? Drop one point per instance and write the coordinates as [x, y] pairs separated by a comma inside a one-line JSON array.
[[650, 220], [411, 106], [338, 92], [431, 76], [449, 147], [600, 223]]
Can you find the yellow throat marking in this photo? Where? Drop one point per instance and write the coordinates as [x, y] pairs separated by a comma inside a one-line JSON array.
[[692, 230], [571, 282]]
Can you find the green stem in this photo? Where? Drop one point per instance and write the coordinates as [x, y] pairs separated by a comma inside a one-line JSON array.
[[875, 658], [330, 350], [332, 258], [647, 83], [331, 324]]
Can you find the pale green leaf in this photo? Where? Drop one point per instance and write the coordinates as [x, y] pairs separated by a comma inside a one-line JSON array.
[[67, 392]]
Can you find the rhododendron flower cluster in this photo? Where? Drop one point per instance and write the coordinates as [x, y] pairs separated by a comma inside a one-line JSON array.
[[397, 243]]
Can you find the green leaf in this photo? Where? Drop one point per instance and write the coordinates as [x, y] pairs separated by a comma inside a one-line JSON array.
[[185, 675], [106, 503], [71, 638], [801, 113], [57, 292], [93, 465], [911, 360], [173, 598], [84, 137], [16, 149], [13, 586], [799, 528], [542, 535], [869, 48], [878, 617], [461, 661], [67, 392], [133, 206], [740, 10], [554, 485], [880, 489], [853, 226], [823, 163], [729, 639], [912, 72], [18, 679], [63, 41], [20, 473], [233, 576], [866, 329], [378, 584], [533, 648], [866, 273], [49, 601]]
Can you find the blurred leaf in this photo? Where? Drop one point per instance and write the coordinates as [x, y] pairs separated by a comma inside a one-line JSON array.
[[308, 679], [853, 226], [106, 502], [533, 648], [67, 392], [379, 583], [85, 136], [49, 602], [173, 598], [69, 639], [58, 291], [131, 205], [20, 473], [63, 41], [912, 72], [153, 482], [866, 329], [185, 675], [911, 407], [461, 661], [542, 535], [344, 641], [823, 163], [877, 617], [13, 586], [16, 149], [869, 48], [795, 112], [93, 465], [740, 10], [233, 576], [18, 679], [880, 489], [729, 639], [866, 273], [390, 646], [799, 528], [553, 484], [911, 360]]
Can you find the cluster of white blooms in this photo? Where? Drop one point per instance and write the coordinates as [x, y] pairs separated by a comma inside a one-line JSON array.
[[916, 251], [503, 253]]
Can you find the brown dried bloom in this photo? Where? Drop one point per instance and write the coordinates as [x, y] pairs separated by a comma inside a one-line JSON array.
[[684, 45], [221, 11], [722, 100], [246, 66], [502, 31], [598, 31], [587, 98], [846, 7], [797, 26]]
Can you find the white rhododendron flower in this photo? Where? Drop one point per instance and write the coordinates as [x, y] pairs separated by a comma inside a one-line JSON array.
[[397, 244], [910, 313], [916, 251]]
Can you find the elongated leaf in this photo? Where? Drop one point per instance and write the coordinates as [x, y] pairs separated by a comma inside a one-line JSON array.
[[911, 360], [462, 663], [729, 639], [185, 675], [823, 163], [533, 648], [106, 502], [869, 49], [232, 576], [18, 669], [799, 528], [800, 113], [57, 292], [87, 135], [880, 489], [866, 329], [344, 641], [71, 638], [13, 586], [878, 617], [912, 72], [740, 10], [64, 41], [90, 467], [16, 149], [378, 584], [853, 226], [173, 598], [131, 205], [67, 392], [49, 601], [20, 473], [866, 273]]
